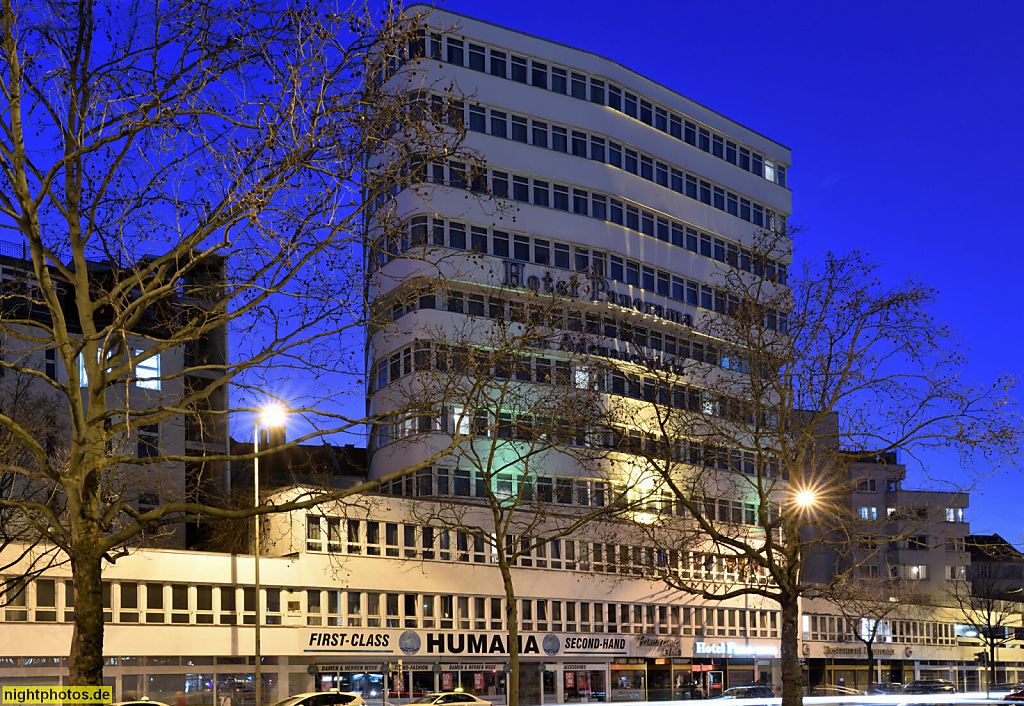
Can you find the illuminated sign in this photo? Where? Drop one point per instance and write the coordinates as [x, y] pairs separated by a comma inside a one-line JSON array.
[[732, 649]]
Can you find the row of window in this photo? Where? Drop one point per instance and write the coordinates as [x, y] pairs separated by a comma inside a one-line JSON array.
[[526, 427], [834, 628], [428, 356], [454, 612], [605, 207], [584, 261], [566, 256], [568, 140], [52, 600], [582, 492], [336, 535], [498, 62], [659, 347]]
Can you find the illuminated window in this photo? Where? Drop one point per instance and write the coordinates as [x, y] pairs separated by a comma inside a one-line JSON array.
[[147, 372]]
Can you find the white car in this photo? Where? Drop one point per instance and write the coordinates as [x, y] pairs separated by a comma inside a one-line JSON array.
[[323, 698], [450, 697]]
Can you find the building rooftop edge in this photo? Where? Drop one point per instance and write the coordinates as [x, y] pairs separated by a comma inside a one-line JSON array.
[[434, 8]]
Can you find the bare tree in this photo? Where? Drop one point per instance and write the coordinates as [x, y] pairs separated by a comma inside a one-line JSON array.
[[178, 172], [868, 605], [990, 606], [755, 435]]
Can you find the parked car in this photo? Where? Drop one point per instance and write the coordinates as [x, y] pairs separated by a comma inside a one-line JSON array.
[[450, 697], [753, 691], [1016, 695], [885, 687], [930, 686], [323, 698]]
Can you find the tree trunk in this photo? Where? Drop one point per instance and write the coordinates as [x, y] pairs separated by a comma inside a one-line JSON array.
[[991, 666], [792, 672], [85, 663], [512, 629], [872, 672]]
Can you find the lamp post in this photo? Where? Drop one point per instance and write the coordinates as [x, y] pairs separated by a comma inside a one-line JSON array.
[[270, 415]]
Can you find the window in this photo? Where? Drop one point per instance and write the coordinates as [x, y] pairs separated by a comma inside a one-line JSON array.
[[179, 603], [149, 441], [519, 69], [956, 573], [540, 134], [204, 604], [954, 514], [579, 86], [154, 603], [46, 600], [228, 615], [869, 513], [147, 372], [559, 82], [50, 365], [559, 139], [539, 74], [455, 51], [314, 542], [476, 57], [498, 63], [477, 119]]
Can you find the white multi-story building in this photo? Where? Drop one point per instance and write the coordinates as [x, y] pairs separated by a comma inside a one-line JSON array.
[[616, 203]]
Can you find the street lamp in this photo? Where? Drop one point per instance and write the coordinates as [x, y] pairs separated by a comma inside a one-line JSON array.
[[273, 415], [806, 498]]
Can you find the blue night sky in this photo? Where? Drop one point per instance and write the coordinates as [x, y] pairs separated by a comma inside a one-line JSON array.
[[904, 119]]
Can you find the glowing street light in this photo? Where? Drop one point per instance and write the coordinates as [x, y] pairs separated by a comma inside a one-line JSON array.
[[806, 498], [272, 416]]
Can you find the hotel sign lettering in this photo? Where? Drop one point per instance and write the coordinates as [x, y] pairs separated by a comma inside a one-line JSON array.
[[733, 649], [592, 287]]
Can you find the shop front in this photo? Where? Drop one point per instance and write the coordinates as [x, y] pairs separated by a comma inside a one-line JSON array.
[[394, 666]]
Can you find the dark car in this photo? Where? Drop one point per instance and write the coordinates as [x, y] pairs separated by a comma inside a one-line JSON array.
[[930, 686], [754, 691], [1015, 695], [886, 687]]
